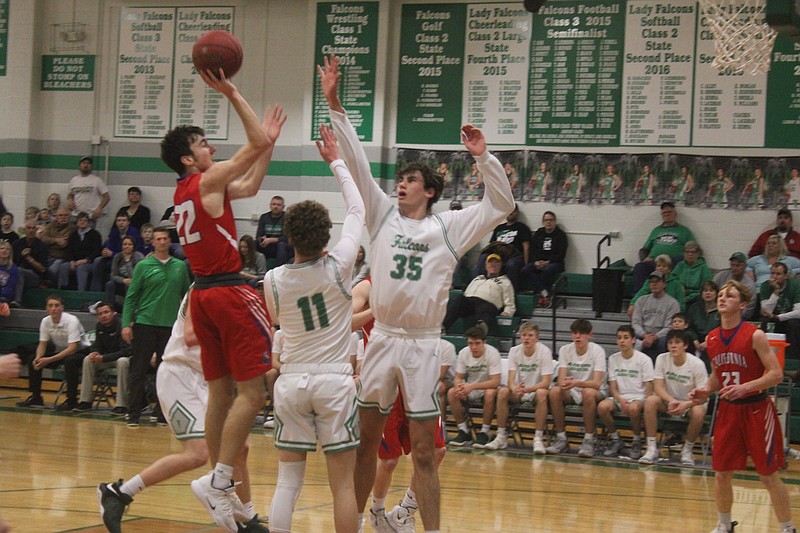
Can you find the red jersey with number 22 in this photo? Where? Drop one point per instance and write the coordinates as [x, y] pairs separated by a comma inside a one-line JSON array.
[[209, 243]]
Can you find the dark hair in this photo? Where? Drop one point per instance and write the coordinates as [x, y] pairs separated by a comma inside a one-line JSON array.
[[679, 334], [248, 260], [681, 316], [160, 229], [82, 214], [134, 189], [307, 225], [782, 265], [475, 333], [122, 213], [667, 204], [56, 297], [627, 328], [549, 213], [580, 325], [128, 238], [176, 144], [431, 179], [709, 285], [103, 304]]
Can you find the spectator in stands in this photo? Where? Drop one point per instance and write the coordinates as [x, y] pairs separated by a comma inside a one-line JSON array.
[[269, 235], [151, 305], [674, 287], [10, 278], [113, 246], [30, 214], [361, 268], [668, 238], [703, 315], [517, 236], [30, 255], [7, 232], [56, 236], [83, 248], [736, 272], [138, 214], [146, 232], [630, 383], [548, 251], [760, 266], [530, 373], [53, 203], [780, 305], [485, 298], [61, 339], [652, 315], [107, 350], [254, 264], [581, 381], [87, 192], [44, 217], [478, 369], [677, 373], [122, 271], [168, 221], [692, 271], [783, 227]]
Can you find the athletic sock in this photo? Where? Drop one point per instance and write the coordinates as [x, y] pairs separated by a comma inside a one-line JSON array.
[[652, 442], [223, 477], [378, 503], [486, 428], [787, 526], [539, 434], [463, 427], [588, 437], [133, 486], [409, 501], [249, 509], [725, 520], [502, 432]]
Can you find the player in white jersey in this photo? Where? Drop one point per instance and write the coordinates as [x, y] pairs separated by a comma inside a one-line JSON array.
[[677, 373], [581, 381], [315, 392], [530, 373], [183, 394], [630, 382], [414, 256]]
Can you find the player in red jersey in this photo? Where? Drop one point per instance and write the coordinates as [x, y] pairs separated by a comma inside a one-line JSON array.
[[744, 367], [396, 440], [230, 317]]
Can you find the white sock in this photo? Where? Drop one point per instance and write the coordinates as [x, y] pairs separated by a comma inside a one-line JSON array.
[[725, 520], [486, 428], [223, 476], [502, 432], [378, 504], [133, 486], [588, 437], [409, 501], [539, 435], [290, 481], [652, 442], [688, 445], [787, 526], [250, 510], [463, 427]]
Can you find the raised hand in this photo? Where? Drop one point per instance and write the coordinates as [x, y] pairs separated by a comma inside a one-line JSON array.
[[329, 80], [327, 147], [274, 119], [473, 139], [218, 82]]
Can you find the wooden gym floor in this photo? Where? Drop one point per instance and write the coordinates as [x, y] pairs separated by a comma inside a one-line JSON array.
[[50, 465]]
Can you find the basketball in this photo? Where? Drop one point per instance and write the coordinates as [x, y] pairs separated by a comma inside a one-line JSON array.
[[217, 49]]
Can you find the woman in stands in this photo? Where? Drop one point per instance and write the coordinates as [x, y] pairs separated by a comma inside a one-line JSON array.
[[122, 270], [254, 264], [9, 274], [758, 267]]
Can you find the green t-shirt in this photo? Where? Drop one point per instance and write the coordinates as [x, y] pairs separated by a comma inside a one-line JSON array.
[[668, 240]]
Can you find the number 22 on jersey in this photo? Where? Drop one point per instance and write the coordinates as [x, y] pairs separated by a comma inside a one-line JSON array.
[[184, 220]]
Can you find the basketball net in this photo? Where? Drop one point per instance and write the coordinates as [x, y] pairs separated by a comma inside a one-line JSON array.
[[742, 39]]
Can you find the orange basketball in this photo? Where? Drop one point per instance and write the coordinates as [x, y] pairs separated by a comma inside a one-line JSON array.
[[218, 49]]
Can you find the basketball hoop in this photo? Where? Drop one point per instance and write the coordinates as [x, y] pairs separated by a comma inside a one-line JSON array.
[[742, 39]]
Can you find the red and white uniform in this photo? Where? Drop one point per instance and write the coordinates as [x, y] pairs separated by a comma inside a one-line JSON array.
[[231, 321], [749, 428]]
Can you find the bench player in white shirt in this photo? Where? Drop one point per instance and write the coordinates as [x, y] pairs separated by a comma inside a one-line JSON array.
[[315, 393], [415, 254], [630, 383], [530, 373]]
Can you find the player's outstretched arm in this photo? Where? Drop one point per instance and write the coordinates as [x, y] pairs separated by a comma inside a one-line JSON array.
[[248, 186], [329, 78], [473, 140], [221, 174]]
